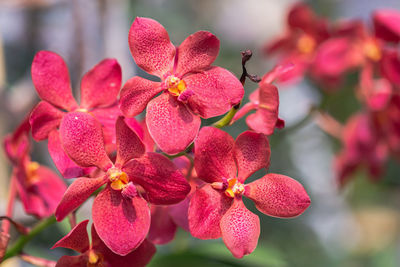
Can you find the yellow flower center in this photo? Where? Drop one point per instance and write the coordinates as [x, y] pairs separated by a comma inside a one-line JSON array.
[[31, 172], [234, 188], [118, 178], [175, 85], [372, 50], [306, 44], [94, 259]]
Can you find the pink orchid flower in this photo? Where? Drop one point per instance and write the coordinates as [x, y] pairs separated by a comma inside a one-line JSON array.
[[38, 187], [190, 87], [99, 90], [217, 210], [96, 253], [120, 212]]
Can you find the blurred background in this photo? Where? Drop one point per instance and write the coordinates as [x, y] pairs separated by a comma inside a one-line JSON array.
[[356, 226]]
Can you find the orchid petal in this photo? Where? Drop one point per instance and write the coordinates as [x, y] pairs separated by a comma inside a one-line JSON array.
[[140, 256], [214, 155], [129, 145], [44, 118], [278, 196], [150, 46], [171, 124], [51, 79], [76, 194], [216, 90], [252, 153], [82, 137], [160, 178], [266, 116], [100, 86], [206, 209], [77, 239], [197, 52], [64, 164], [240, 229], [387, 24], [162, 228], [136, 94], [72, 261], [122, 223], [39, 192]]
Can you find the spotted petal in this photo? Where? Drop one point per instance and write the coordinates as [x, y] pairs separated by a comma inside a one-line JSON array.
[[64, 164], [206, 209], [129, 145], [100, 86], [278, 196], [216, 90], [122, 223], [76, 194], [135, 95], [82, 137], [266, 116], [240, 229], [51, 79], [150, 46], [171, 124], [160, 178], [252, 153], [197, 52], [77, 239], [214, 158]]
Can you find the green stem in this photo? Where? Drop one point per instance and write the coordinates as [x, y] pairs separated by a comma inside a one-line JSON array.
[[18, 246], [227, 118]]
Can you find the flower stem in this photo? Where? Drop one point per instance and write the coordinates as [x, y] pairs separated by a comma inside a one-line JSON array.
[[226, 120], [18, 246]]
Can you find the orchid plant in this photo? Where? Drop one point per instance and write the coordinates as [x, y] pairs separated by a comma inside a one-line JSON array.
[[173, 169]]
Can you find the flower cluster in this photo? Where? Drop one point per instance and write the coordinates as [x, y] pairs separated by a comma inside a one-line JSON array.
[[328, 53], [149, 177]]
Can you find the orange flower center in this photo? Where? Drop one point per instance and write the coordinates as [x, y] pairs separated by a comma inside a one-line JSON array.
[[306, 44], [372, 50], [31, 172], [94, 259], [234, 188], [119, 179], [175, 85]]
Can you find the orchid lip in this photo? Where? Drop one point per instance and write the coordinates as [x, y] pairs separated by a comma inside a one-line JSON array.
[[119, 179], [175, 85], [232, 187]]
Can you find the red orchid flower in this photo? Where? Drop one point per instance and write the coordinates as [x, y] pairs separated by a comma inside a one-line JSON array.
[[97, 253], [120, 213], [191, 88], [305, 32], [39, 188], [217, 210], [362, 146], [99, 90], [265, 100]]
